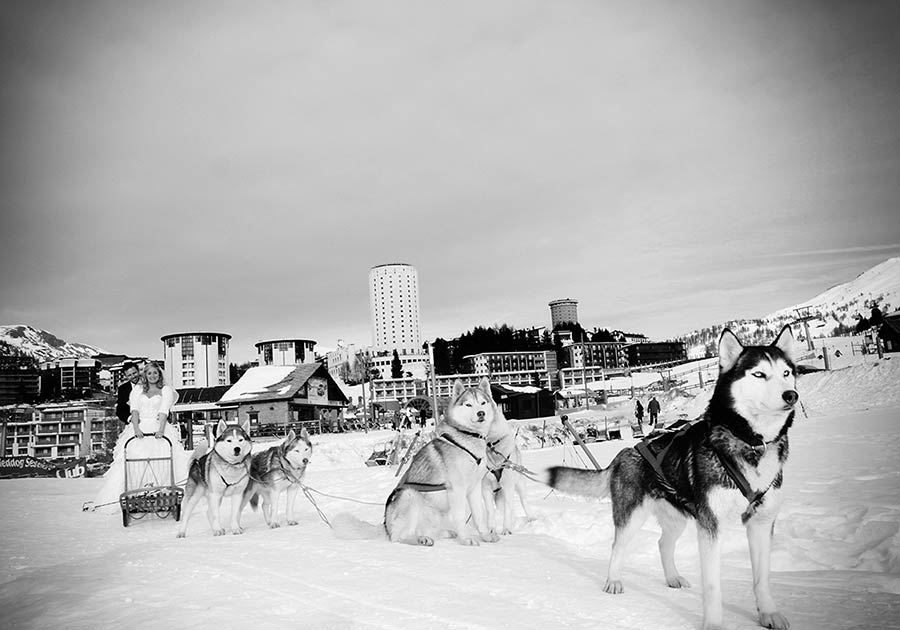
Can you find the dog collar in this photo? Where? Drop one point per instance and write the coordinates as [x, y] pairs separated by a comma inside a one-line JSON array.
[[284, 471], [471, 433], [752, 439]]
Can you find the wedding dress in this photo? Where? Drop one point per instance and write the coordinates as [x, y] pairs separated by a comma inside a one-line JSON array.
[[148, 408]]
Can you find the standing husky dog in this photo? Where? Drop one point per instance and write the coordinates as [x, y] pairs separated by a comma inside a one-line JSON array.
[[275, 470], [502, 481], [442, 485], [728, 463], [222, 472]]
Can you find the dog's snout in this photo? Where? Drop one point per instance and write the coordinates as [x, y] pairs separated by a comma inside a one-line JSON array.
[[790, 397], [480, 415], [305, 460], [237, 450]]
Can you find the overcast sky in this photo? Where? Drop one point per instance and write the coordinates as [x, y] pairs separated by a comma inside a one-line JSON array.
[[239, 167]]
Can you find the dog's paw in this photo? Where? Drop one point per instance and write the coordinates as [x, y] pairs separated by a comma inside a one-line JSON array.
[[180, 535], [490, 537], [678, 582], [293, 522], [219, 532], [469, 542], [505, 531], [274, 525], [614, 587], [774, 620], [425, 541], [238, 531]]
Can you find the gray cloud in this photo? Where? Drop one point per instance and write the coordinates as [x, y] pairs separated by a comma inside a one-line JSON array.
[[240, 167]]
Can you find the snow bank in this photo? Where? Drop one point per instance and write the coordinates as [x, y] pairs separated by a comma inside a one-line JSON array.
[[835, 551]]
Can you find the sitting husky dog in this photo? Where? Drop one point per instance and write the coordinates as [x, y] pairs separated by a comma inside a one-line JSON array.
[[277, 469], [502, 481], [222, 472], [442, 485], [726, 464]]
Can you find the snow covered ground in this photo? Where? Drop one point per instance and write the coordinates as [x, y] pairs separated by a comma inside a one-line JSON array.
[[836, 561]]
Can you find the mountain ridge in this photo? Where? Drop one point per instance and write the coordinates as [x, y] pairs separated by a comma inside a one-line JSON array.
[[836, 310], [43, 345]]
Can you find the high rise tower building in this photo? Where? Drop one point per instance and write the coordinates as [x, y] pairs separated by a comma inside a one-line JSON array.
[[563, 311], [196, 359], [394, 304]]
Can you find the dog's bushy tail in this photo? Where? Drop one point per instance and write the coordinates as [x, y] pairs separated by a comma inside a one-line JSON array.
[[593, 484]]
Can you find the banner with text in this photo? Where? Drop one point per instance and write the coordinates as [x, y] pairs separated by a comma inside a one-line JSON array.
[[14, 467]]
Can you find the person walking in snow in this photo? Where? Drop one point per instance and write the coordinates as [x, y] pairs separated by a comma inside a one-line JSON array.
[[653, 410], [638, 411]]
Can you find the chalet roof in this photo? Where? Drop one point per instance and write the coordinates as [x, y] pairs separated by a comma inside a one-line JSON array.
[[510, 390], [191, 395], [278, 382]]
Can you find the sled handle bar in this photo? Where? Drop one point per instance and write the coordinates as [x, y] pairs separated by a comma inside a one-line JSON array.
[[146, 435]]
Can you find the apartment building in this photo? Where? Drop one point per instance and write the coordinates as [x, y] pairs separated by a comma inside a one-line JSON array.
[[603, 354], [69, 375], [487, 363], [72, 429]]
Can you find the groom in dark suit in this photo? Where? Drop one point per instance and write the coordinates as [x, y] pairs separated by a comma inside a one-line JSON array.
[[132, 377]]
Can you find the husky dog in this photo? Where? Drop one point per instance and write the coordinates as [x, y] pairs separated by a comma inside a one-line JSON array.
[[275, 470], [222, 472], [728, 463], [442, 485], [502, 480]]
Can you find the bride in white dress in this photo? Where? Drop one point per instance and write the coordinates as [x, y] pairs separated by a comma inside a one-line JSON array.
[[150, 402]]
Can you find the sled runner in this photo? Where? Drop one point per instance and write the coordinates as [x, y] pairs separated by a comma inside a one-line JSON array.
[[150, 482]]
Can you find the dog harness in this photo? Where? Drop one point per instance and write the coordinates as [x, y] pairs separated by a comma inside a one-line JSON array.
[[222, 477], [655, 462], [498, 471], [449, 438], [435, 487], [754, 498]]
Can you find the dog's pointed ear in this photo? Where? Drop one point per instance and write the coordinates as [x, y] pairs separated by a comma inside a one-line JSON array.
[[304, 434], [457, 388], [785, 341], [730, 349], [220, 427], [290, 437], [245, 426], [485, 385]]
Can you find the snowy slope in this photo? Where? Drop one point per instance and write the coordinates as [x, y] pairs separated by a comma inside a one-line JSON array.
[[879, 284], [44, 346], [839, 306], [836, 555]]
